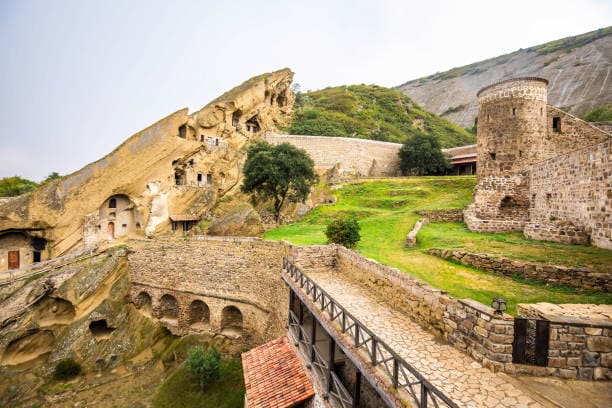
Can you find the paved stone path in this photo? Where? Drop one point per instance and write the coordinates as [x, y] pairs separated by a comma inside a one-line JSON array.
[[460, 377]]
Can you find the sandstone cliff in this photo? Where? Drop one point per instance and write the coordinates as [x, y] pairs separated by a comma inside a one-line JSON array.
[[577, 68], [180, 165]]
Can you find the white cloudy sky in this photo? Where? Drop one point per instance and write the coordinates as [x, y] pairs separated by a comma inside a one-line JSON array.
[[77, 77]]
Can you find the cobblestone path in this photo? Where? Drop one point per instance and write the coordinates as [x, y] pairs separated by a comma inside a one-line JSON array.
[[460, 377]]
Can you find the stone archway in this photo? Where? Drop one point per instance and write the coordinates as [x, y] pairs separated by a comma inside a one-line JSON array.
[[231, 320], [169, 308], [143, 302], [199, 313]]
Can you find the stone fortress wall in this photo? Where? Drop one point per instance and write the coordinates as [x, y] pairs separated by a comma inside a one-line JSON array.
[[529, 151], [353, 157], [197, 285]]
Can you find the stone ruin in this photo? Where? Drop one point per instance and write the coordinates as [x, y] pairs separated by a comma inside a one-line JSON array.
[[540, 170]]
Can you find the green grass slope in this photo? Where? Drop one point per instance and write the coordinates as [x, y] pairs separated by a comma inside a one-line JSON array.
[[370, 112], [386, 212]]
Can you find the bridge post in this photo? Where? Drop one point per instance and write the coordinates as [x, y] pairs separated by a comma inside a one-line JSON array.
[[301, 320], [423, 403], [313, 339], [330, 361], [357, 390]]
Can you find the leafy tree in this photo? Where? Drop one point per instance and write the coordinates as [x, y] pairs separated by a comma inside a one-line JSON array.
[[205, 364], [279, 173], [601, 113], [66, 369], [14, 186], [421, 155], [343, 230], [52, 176]]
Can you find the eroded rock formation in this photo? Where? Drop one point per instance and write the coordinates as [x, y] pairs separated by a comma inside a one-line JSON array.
[[180, 165]]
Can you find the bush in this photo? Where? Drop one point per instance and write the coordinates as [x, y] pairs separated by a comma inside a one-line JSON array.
[[205, 364], [343, 231], [66, 369]]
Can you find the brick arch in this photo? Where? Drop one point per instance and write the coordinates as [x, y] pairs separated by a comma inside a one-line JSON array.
[[169, 307], [143, 301], [199, 312], [231, 319]]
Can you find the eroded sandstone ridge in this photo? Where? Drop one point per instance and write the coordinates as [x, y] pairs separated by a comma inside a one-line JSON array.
[[166, 176]]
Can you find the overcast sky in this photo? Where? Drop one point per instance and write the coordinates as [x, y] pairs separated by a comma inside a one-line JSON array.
[[79, 77]]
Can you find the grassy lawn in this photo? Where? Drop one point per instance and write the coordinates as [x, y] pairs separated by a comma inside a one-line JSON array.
[[386, 212], [182, 389]]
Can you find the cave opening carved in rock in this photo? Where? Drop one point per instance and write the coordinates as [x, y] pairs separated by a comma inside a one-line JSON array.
[[100, 329]]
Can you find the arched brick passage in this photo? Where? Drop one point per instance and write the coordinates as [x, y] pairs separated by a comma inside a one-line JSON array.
[[168, 307], [199, 312], [231, 318], [143, 301]]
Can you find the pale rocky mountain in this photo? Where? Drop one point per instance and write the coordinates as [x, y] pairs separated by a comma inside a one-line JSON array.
[[577, 68]]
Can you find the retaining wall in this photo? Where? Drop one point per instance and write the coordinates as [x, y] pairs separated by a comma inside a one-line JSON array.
[[581, 278]]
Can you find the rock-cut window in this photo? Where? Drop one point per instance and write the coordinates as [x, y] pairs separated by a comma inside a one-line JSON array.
[[112, 203]]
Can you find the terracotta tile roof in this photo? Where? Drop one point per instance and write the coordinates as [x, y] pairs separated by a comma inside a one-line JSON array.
[[184, 217], [274, 377]]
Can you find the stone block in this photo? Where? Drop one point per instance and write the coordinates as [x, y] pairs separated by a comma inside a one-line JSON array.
[[481, 332], [601, 373], [599, 343], [574, 361], [557, 362], [568, 373], [586, 373], [591, 359], [606, 360]]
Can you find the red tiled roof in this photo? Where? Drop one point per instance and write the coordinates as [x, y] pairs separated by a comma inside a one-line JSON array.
[[274, 377]]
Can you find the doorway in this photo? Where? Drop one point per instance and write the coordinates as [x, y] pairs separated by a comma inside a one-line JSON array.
[[111, 229], [13, 259]]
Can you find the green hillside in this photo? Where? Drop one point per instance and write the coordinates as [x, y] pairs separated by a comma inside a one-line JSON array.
[[370, 112]]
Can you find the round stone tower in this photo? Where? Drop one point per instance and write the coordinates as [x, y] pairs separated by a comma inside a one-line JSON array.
[[512, 125]]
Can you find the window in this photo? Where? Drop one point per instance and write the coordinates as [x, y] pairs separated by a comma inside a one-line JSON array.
[[201, 138], [513, 111], [209, 179], [488, 118], [182, 131], [520, 153], [216, 142], [541, 111], [200, 177], [36, 256], [556, 124], [112, 203], [492, 156]]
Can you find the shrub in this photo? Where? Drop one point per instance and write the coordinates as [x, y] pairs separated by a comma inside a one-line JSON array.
[[205, 364], [66, 369], [343, 231]]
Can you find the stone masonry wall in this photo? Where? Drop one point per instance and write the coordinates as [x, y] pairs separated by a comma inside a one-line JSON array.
[[243, 270], [580, 192], [580, 340], [581, 278], [355, 157], [442, 215]]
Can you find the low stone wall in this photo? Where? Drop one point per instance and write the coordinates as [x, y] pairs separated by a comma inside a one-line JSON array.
[[490, 225], [566, 234], [468, 325], [581, 278], [452, 215], [580, 343]]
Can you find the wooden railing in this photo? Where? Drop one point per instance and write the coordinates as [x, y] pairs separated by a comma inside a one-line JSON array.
[[401, 374]]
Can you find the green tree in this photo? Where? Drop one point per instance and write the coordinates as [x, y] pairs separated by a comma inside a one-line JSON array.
[[278, 173], [601, 113], [52, 176], [343, 230], [14, 186], [205, 364], [421, 155]]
